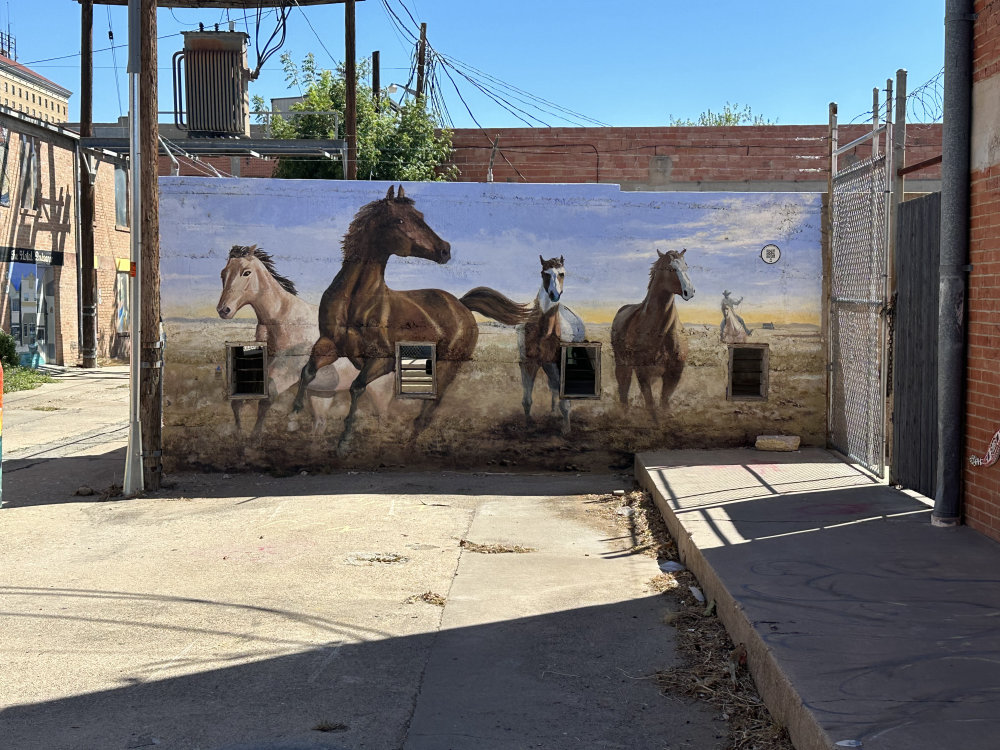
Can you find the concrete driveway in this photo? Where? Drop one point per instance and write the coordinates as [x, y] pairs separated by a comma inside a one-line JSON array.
[[248, 611]]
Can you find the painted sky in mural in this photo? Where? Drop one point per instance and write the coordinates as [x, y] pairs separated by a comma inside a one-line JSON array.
[[609, 239]]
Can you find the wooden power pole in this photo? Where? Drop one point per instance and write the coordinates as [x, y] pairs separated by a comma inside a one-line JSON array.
[[421, 59], [376, 82], [351, 103], [88, 276], [151, 357]]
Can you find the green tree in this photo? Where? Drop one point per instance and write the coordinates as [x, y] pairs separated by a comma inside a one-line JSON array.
[[393, 144], [731, 114]]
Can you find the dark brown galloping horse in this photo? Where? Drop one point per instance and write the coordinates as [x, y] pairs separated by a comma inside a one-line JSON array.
[[362, 319], [648, 337]]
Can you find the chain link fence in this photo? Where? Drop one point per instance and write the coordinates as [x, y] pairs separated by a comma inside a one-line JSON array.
[[857, 311]]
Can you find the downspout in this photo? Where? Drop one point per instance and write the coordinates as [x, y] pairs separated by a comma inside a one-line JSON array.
[[956, 129], [77, 156]]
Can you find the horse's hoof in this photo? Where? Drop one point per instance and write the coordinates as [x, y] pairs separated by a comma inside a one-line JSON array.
[[343, 447]]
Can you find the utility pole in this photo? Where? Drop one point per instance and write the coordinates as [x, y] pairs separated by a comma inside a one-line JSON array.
[[151, 368], [376, 83], [421, 59], [88, 276], [351, 103]]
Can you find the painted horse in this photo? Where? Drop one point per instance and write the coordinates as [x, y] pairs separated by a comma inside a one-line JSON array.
[[288, 324], [540, 338], [648, 338], [362, 319]]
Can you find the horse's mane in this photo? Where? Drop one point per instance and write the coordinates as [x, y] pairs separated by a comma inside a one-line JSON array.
[[552, 263], [245, 251], [661, 263], [367, 215]]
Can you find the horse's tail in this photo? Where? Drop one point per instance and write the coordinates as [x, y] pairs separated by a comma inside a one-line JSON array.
[[492, 304]]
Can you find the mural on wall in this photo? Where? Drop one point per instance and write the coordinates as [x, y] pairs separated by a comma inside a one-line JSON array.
[[540, 339], [289, 326], [362, 319], [732, 329], [648, 337], [614, 277]]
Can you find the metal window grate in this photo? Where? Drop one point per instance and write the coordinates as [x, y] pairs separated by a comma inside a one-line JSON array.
[[580, 371], [748, 372], [247, 368], [416, 371]]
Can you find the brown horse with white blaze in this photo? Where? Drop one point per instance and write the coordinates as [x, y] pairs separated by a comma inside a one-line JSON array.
[[362, 319], [648, 337]]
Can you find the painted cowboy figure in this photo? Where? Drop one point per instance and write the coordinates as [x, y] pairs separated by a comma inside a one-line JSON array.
[[732, 329]]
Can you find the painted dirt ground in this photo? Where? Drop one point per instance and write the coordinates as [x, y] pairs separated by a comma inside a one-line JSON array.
[[480, 423]]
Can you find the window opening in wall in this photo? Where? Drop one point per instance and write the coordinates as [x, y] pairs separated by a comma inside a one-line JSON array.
[[31, 173], [4, 186], [416, 370], [580, 371], [748, 372], [246, 364], [121, 196]]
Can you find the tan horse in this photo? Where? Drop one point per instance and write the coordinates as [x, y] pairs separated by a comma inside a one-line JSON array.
[[648, 337], [362, 319], [289, 326]]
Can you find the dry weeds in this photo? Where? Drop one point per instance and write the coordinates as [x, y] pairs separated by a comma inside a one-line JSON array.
[[713, 670], [494, 549]]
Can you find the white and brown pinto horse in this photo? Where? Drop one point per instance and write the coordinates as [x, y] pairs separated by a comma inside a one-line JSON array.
[[550, 325]]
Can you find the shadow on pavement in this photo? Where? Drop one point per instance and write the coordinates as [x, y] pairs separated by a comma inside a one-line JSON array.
[[41, 480], [518, 683]]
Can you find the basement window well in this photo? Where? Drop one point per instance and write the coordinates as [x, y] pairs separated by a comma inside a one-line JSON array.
[[580, 371], [416, 370], [748, 372], [246, 366]]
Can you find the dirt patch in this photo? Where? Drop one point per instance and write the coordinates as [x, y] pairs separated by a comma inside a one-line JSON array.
[[376, 558], [428, 596], [494, 549], [635, 512], [713, 669], [331, 726]]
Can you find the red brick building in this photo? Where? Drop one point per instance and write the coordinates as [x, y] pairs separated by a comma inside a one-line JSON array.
[[982, 484], [39, 241]]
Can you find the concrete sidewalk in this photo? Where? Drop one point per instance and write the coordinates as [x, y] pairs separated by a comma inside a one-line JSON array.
[[864, 624], [65, 434]]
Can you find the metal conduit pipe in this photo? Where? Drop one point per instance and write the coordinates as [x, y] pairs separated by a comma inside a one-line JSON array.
[[956, 136]]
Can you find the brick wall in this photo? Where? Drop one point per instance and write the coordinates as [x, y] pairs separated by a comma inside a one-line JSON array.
[[982, 485], [662, 158], [672, 158], [111, 241]]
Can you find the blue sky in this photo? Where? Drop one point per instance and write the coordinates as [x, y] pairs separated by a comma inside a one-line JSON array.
[[634, 63], [497, 231]]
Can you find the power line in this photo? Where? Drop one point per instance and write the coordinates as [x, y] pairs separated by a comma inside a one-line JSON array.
[[114, 59]]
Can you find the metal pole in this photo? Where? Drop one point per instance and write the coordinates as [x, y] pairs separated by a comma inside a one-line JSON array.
[[955, 139], [828, 271], [133, 459], [897, 144], [351, 98]]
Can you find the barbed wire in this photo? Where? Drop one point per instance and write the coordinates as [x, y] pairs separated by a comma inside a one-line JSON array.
[[924, 104]]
